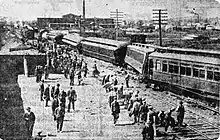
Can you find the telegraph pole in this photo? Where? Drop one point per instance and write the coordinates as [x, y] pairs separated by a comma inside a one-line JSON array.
[[82, 19], [160, 18], [117, 16]]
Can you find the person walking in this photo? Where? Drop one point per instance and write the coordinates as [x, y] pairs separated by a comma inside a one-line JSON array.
[[85, 69], [72, 97], [72, 75], [52, 92], [79, 76], [55, 104], [169, 120], [41, 89], [29, 118], [148, 131], [47, 95], [115, 108], [46, 71], [127, 78], [62, 97], [60, 114], [180, 113], [151, 119], [143, 111], [135, 110], [57, 90]]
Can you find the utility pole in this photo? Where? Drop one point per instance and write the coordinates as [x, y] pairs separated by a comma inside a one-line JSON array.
[[117, 16], [160, 18], [82, 19]]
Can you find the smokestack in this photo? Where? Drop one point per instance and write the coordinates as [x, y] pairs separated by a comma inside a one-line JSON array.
[[84, 8]]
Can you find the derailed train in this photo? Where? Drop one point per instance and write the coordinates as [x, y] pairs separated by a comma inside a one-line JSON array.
[[185, 68]]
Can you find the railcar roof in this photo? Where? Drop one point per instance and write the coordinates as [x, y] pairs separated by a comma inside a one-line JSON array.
[[105, 41], [73, 37], [195, 50], [189, 58], [141, 49], [100, 45]]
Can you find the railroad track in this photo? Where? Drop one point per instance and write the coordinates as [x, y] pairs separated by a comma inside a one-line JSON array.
[[204, 129], [197, 126]]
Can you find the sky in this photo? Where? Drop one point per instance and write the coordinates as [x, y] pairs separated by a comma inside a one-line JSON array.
[[31, 9]]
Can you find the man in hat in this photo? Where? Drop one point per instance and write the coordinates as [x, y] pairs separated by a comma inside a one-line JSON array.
[[41, 89], [47, 95], [55, 104], [127, 78], [72, 75], [180, 113], [57, 90], [115, 109], [151, 118], [72, 97], [148, 131], [143, 111], [169, 120], [29, 118], [135, 110], [60, 113]]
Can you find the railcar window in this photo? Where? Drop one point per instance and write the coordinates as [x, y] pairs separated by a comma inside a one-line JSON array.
[[217, 76], [195, 72], [183, 70], [188, 71], [164, 66], [202, 73], [170, 68], [210, 75], [158, 65], [151, 63], [176, 69]]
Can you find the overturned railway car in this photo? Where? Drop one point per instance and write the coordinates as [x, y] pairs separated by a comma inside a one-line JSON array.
[[104, 49], [137, 57], [73, 40]]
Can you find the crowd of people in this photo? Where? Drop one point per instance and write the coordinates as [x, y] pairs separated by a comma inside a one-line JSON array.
[[69, 63], [139, 108]]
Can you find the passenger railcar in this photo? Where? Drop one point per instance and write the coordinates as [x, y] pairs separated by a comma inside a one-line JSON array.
[[73, 40], [104, 49], [189, 71], [137, 57]]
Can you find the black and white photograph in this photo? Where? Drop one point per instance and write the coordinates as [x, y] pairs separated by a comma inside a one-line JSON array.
[[109, 69]]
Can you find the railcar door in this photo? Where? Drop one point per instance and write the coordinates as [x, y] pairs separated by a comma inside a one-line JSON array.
[[151, 66]]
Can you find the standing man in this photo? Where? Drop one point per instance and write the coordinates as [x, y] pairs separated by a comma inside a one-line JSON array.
[[115, 109], [46, 71], [151, 118], [62, 97], [148, 132], [29, 118], [57, 90], [60, 113], [72, 75], [47, 95], [127, 78], [72, 97], [135, 110], [79, 76], [180, 113], [143, 111], [41, 89], [55, 104], [85, 69]]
